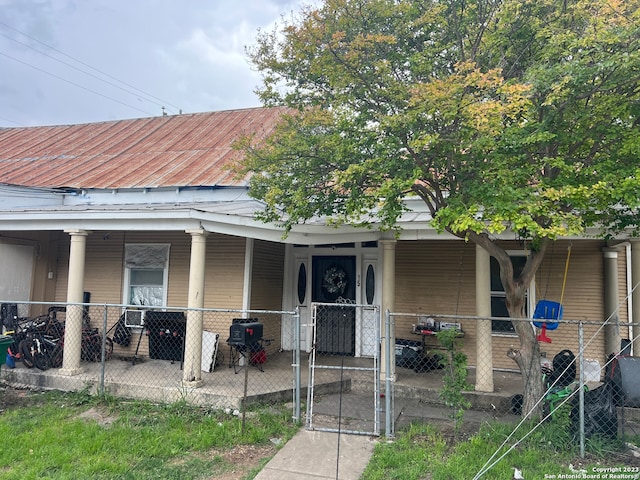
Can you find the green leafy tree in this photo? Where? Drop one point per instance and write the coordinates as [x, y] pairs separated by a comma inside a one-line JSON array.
[[518, 115], [454, 381]]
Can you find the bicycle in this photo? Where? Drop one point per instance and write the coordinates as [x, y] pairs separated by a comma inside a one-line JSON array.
[[43, 344]]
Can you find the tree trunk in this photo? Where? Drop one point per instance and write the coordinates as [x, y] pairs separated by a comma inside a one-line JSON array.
[[527, 357]]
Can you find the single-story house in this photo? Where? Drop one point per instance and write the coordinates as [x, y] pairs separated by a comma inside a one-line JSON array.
[[81, 204]]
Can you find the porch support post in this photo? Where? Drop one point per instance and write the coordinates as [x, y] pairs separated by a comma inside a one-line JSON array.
[[612, 329], [192, 371], [75, 290], [248, 269], [388, 302], [484, 347], [635, 285]]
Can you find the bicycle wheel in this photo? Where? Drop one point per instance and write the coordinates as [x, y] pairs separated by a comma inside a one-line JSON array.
[[40, 355], [108, 349], [25, 354], [41, 360]]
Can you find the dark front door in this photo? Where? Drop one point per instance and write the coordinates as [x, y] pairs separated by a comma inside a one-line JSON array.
[[334, 281]]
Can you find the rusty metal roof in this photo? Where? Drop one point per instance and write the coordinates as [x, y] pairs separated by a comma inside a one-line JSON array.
[[188, 150]]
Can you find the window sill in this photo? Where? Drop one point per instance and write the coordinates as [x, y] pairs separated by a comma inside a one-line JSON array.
[[504, 334]]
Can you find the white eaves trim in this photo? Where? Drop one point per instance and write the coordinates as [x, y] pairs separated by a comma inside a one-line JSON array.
[[228, 211]]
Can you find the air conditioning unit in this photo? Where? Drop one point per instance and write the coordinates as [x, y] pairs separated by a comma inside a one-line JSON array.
[[134, 318]]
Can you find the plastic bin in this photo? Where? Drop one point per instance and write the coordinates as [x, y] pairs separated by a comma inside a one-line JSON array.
[[5, 343]]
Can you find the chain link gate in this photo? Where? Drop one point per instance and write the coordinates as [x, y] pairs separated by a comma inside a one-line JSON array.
[[344, 391]]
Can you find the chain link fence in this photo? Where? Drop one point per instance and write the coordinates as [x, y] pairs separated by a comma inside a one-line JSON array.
[[602, 392], [226, 359], [344, 389], [232, 358]]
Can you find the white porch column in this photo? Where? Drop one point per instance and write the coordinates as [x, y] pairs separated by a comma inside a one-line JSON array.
[[635, 284], [248, 269], [612, 329], [192, 369], [484, 346], [388, 302], [75, 290]]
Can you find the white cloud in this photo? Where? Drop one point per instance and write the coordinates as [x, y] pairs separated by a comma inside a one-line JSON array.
[[188, 55]]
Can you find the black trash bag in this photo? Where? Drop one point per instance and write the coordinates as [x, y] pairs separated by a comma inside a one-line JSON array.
[[600, 413], [564, 369], [122, 335], [9, 315], [428, 363], [408, 353], [516, 404]]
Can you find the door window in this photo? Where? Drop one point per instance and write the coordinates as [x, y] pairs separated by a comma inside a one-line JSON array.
[[370, 284], [333, 279], [302, 283]]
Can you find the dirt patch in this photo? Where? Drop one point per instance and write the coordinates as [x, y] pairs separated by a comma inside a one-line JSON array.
[[453, 436], [244, 458], [14, 397], [101, 418]]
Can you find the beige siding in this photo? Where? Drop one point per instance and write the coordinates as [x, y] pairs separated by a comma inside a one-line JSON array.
[[439, 278], [62, 268], [224, 277], [435, 277], [104, 267], [266, 285], [104, 275], [267, 276]]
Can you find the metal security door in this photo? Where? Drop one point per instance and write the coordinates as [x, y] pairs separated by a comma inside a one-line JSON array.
[[349, 385], [334, 284]]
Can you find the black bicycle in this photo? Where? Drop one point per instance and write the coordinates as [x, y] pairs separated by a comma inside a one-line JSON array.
[[43, 343], [40, 348]]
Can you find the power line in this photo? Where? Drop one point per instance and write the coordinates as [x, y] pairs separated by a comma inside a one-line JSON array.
[[75, 84], [145, 94], [79, 69], [11, 121]]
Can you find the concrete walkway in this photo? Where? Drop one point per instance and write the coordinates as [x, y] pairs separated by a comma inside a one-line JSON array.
[[320, 455]]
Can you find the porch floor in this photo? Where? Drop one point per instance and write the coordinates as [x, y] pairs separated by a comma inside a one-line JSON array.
[[161, 380]]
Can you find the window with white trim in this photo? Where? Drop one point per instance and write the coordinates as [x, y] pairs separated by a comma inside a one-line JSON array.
[[146, 274], [498, 295]]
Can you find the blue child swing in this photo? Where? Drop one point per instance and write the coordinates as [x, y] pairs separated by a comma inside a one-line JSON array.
[[549, 310]]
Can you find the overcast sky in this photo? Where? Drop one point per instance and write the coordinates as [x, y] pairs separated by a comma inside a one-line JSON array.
[[180, 54]]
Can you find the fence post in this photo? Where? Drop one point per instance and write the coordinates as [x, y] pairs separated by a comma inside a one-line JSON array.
[[296, 365], [103, 352], [581, 383], [388, 397]]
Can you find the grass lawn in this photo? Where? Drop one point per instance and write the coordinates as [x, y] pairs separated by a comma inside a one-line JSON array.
[[58, 435], [70, 436], [427, 452]]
